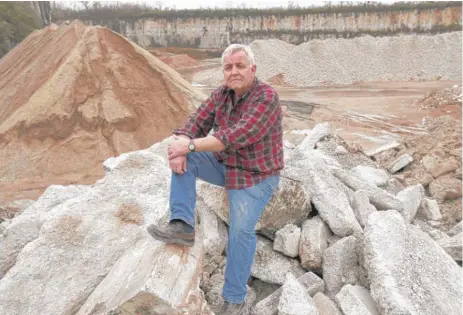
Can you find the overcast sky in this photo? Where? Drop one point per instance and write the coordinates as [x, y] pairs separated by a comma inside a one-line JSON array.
[[194, 4]]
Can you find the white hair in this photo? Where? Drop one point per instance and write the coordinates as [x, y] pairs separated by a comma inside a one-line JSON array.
[[238, 47]]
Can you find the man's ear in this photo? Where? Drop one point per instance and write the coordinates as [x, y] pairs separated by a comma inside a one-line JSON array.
[[253, 68]]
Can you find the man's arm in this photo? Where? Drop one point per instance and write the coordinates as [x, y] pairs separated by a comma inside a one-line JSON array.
[[200, 123]]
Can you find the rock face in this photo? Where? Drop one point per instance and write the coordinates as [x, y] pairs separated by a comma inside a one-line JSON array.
[[409, 272], [82, 98], [118, 265]]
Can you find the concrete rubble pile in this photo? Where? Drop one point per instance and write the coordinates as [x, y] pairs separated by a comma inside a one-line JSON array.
[[340, 236]]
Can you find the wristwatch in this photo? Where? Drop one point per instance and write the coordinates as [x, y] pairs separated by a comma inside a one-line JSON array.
[[191, 146]]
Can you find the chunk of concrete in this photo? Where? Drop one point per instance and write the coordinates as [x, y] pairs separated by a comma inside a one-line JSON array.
[[340, 265], [294, 299], [452, 246], [373, 176], [269, 306], [271, 266], [400, 163], [287, 240], [362, 207], [213, 228], [411, 198], [289, 204], [409, 272], [314, 240], [429, 209], [325, 305], [319, 132], [381, 199], [457, 229], [356, 300]]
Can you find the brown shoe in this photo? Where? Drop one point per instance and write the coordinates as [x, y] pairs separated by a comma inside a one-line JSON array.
[[231, 309], [174, 233]]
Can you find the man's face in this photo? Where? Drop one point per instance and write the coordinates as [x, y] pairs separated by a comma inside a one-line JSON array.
[[238, 74]]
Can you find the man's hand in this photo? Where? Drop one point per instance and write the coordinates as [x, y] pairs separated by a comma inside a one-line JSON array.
[[178, 164], [178, 147]]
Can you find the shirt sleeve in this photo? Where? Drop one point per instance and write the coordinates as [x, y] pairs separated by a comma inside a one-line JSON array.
[[259, 117], [199, 123]]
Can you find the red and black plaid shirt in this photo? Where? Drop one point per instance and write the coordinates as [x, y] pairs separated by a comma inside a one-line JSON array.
[[251, 129]]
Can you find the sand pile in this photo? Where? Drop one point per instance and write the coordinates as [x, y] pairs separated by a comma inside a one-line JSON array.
[[179, 61], [367, 58], [73, 96]]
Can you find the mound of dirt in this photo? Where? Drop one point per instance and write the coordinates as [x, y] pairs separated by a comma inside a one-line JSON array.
[[71, 97], [436, 163], [437, 98], [179, 61]]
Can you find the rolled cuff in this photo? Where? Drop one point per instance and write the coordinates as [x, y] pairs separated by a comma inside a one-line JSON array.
[[183, 132]]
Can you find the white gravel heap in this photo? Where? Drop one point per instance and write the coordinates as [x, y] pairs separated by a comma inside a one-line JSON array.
[[367, 58]]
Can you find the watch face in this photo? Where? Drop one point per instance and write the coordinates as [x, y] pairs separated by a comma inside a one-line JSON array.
[[191, 147]]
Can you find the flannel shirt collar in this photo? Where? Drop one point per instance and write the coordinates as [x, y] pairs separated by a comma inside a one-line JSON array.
[[231, 92]]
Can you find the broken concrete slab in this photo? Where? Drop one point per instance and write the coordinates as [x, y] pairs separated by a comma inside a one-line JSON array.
[[373, 176], [269, 306], [287, 240], [271, 266], [362, 207], [340, 265], [356, 300], [408, 271], [294, 299], [22, 230], [381, 199], [332, 203], [325, 305], [213, 228], [119, 265], [452, 246], [400, 163], [314, 241], [290, 204], [457, 229], [411, 198], [429, 209], [319, 132]]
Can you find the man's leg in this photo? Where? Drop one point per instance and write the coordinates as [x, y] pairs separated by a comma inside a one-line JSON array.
[[183, 197], [246, 207], [183, 187]]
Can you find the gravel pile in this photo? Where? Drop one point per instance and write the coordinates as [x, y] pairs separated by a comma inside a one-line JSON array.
[[345, 61]]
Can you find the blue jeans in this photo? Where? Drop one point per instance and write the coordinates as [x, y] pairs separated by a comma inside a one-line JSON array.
[[246, 206]]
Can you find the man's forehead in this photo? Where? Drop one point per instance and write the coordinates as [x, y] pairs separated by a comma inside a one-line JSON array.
[[236, 57]]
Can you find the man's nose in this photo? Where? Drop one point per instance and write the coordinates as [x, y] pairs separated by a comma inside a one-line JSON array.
[[234, 70]]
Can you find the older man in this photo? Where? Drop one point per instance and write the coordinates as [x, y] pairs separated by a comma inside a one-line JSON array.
[[244, 153]]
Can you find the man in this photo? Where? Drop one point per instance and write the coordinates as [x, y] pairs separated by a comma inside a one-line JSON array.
[[244, 153]]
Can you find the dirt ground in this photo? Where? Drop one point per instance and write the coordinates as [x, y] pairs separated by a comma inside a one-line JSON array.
[[370, 114]]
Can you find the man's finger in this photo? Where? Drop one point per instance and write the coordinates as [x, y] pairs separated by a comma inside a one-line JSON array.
[[184, 165]]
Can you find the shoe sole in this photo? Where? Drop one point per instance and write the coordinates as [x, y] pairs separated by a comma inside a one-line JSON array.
[[171, 240]]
